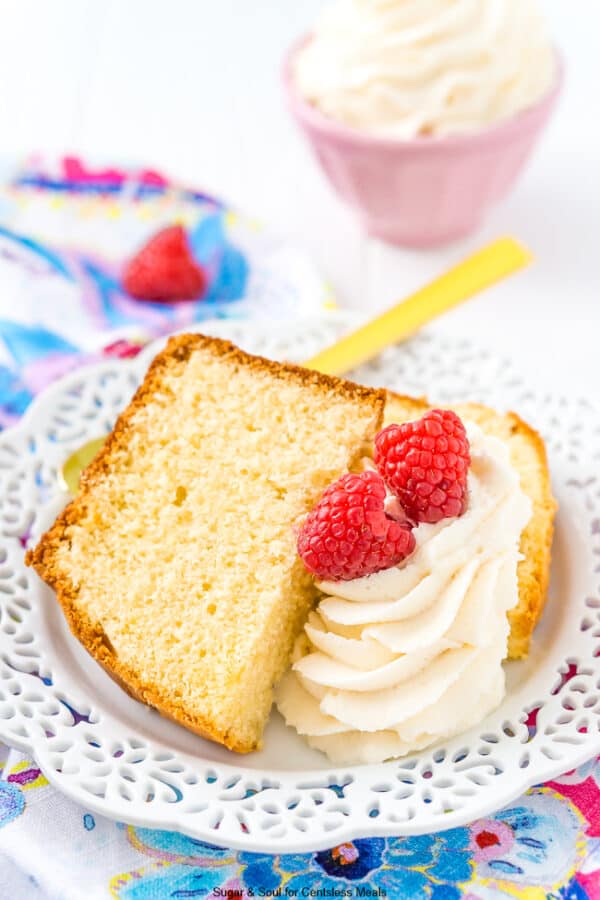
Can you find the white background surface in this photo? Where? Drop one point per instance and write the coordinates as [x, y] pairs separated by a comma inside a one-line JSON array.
[[192, 87]]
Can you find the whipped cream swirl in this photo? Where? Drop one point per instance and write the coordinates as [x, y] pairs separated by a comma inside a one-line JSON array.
[[404, 68], [394, 661]]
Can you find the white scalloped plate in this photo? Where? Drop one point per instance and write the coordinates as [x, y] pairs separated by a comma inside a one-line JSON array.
[[121, 759]]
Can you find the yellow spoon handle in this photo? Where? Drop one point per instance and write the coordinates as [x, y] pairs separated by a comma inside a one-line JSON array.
[[482, 269]]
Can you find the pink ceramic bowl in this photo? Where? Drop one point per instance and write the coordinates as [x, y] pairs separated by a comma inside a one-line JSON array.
[[427, 191]]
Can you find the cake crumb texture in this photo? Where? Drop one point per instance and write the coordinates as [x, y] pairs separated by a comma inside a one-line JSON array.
[[176, 564]]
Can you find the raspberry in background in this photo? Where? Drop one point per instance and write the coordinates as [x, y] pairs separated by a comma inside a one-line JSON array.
[[349, 533], [426, 464], [164, 269]]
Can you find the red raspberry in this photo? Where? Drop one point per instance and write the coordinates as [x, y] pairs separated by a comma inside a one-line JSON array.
[[426, 464], [349, 533], [164, 269]]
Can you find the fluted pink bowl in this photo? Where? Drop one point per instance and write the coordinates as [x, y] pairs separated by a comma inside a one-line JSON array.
[[427, 191]]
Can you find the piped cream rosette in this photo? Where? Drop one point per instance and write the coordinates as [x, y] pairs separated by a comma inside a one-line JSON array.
[[394, 661]]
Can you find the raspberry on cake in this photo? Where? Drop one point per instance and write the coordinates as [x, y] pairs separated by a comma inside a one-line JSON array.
[[359, 527], [350, 533], [426, 463], [176, 565]]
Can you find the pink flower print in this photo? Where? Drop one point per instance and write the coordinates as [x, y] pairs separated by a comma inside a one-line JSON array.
[[490, 839], [122, 349]]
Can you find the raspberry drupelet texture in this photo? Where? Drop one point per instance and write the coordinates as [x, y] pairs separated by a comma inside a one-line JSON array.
[[165, 269], [426, 464], [349, 533]]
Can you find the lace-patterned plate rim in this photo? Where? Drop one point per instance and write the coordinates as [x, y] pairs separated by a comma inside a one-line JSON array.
[[121, 759]]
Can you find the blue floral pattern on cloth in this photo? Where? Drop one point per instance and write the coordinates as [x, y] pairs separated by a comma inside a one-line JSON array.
[[539, 848], [12, 802], [64, 238], [409, 867]]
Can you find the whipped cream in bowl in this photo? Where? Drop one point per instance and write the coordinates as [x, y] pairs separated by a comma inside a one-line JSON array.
[[422, 113], [391, 662], [410, 68]]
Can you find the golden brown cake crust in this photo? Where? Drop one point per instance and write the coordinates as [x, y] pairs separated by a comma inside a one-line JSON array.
[[44, 556], [528, 454]]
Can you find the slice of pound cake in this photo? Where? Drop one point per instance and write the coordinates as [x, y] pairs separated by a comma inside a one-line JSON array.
[[176, 565], [528, 456]]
